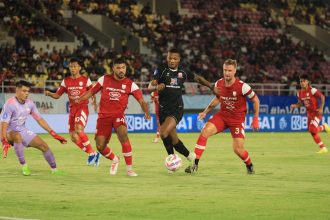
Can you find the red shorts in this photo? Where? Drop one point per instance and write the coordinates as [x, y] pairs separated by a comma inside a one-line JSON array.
[[78, 115], [236, 127], [104, 126], [314, 120]]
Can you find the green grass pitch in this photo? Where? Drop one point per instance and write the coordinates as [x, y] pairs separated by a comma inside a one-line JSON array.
[[291, 182]]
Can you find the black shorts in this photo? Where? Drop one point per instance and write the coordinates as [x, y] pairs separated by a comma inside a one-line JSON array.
[[175, 113]]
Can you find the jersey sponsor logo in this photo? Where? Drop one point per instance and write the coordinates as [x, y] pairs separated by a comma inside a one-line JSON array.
[[114, 95], [174, 81], [229, 104], [74, 92], [5, 115]]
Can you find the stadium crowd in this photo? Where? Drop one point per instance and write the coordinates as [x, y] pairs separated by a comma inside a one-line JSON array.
[[249, 31]]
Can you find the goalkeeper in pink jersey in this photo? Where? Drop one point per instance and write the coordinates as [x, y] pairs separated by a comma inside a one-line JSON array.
[[13, 118], [309, 96], [75, 85], [232, 99]]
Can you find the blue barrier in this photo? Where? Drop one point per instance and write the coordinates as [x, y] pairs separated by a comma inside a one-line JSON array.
[[189, 123]]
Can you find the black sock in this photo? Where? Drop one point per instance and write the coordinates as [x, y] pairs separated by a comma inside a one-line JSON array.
[[168, 145], [196, 161], [179, 147]]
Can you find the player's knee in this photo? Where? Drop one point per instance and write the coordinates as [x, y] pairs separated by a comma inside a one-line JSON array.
[[312, 129], [44, 147], [17, 138]]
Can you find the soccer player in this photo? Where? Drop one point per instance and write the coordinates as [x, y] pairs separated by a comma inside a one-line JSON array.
[[309, 97], [13, 118], [232, 98], [168, 81], [75, 85], [115, 90], [155, 99]]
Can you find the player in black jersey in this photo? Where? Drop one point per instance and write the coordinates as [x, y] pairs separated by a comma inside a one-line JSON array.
[[168, 80]]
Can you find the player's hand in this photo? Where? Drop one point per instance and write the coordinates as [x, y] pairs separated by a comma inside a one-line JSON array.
[[58, 137], [161, 87], [320, 111], [255, 124], [201, 116], [5, 147], [147, 116], [47, 93]]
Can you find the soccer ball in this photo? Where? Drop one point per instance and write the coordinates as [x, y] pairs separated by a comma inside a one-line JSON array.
[[173, 162]]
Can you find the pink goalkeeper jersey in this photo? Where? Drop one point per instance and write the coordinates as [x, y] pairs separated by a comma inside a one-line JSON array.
[[114, 94], [75, 87], [233, 98], [15, 113]]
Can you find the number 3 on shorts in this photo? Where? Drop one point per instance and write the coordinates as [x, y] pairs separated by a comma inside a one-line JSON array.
[[237, 130]]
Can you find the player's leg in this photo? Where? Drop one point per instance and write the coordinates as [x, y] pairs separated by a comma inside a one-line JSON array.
[[41, 145], [238, 135], [102, 137], [314, 129], [180, 147], [122, 134], [158, 124], [212, 127], [17, 140], [167, 125], [79, 137]]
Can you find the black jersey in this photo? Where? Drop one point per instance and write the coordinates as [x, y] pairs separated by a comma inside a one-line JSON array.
[[171, 97]]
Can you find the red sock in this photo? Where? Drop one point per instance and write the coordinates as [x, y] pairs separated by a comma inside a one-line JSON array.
[[200, 146], [86, 143], [318, 140], [107, 153], [127, 152], [245, 157]]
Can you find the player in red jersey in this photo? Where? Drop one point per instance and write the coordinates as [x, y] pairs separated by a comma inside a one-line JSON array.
[[309, 96], [155, 100], [75, 85], [115, 90], [232, 98]]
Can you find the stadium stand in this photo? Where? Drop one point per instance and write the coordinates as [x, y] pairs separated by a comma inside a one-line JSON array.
[[250, 31]]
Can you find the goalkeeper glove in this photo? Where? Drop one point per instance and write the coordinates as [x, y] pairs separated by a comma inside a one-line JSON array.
[[255, 123], [58, 137], [5, 147]]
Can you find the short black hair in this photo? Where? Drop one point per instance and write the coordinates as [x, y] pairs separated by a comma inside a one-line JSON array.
[[119, 60], [174, 50], [21, 83], [75, 59], [304, 76]]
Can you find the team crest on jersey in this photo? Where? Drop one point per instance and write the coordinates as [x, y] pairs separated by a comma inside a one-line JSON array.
[[179, 75], [28, 109], [123, 86], [307, 94], [174, 81], [234, 93], [80, 83]]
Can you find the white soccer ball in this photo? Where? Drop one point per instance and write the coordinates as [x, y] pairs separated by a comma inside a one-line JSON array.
[[173, 162]]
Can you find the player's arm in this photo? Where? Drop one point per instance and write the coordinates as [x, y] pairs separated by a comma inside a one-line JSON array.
[[52, 94], [214, 102], [4, 140], [256, 106], [42, 122], [320, 109], [145, 109], [94, 104], [201, 80], [297, 105]]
